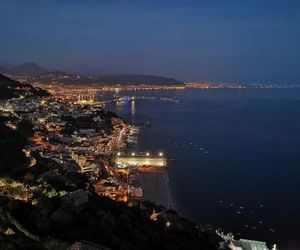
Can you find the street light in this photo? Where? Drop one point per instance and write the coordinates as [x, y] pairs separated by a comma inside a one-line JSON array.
[[147, 154], [133, 154], [119, 154], [160, 154]]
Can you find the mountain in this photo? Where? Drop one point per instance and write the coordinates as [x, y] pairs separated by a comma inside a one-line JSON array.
[[138, 79], [62, 78], [27, 69]]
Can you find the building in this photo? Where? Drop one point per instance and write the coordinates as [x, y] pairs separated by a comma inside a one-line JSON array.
[[155, 161], [241, 244], [244, 244]]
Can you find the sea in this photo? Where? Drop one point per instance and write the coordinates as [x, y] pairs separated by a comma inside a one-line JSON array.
[[234, 156]]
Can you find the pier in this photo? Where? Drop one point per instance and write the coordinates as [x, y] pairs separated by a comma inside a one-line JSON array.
[[90, 98]]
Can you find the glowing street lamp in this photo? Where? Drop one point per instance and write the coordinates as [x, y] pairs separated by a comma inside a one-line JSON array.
[[118, 153], [147, 154], [133, 154], [160, 154]]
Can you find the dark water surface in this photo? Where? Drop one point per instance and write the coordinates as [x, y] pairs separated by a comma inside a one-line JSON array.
[[237, 157]]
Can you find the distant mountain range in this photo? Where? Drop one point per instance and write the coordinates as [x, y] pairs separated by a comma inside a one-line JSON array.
[[58, 77], [36, 73], [141, 79]]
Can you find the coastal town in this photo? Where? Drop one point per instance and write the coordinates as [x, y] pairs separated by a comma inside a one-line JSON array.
[[57, 82], [84, 138], [76, 148], [149, 125]]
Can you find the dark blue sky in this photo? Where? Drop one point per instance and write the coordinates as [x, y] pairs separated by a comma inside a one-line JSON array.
[[241, 40]]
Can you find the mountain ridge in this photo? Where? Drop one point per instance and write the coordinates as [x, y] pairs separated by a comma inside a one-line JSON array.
[[36, 73], [64, 78]]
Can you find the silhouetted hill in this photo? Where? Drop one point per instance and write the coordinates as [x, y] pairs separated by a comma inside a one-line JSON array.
[[10, 88], [27, 69], [56, 74], [6, 81], [137, 79], [58, 77]]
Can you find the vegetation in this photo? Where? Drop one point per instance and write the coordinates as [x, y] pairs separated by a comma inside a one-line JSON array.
[[13, 160], [103, 221]]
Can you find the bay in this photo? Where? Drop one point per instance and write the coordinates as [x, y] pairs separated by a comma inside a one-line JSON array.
[[236, 156]]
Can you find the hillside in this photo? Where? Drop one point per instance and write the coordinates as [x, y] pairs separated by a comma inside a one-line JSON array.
[[47, 206], [137, 79], [58, 77], [10, 88], [6, 81], [35, 73]]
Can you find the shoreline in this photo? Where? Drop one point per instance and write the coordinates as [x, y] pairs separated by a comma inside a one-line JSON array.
[[156, 188]]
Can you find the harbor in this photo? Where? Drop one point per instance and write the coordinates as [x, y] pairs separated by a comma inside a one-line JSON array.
[[148, 177]]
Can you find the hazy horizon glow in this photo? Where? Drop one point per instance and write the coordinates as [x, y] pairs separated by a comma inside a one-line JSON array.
[[189, 40]]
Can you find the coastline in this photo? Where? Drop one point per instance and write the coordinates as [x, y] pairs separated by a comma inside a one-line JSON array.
[[156, 188]]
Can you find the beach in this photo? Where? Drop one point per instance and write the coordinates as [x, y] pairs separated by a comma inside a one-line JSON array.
[[155, 188]]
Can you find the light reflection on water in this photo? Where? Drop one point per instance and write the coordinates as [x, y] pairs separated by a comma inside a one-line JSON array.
[[236, 157]]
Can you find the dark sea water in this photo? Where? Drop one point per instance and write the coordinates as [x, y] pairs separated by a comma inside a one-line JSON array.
[[237, 157]]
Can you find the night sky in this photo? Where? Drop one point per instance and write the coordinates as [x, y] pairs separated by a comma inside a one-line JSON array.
[[190, 40]]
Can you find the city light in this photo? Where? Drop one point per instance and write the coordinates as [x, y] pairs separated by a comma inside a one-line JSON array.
[[168, 224], [43, 102], [67, 140]]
